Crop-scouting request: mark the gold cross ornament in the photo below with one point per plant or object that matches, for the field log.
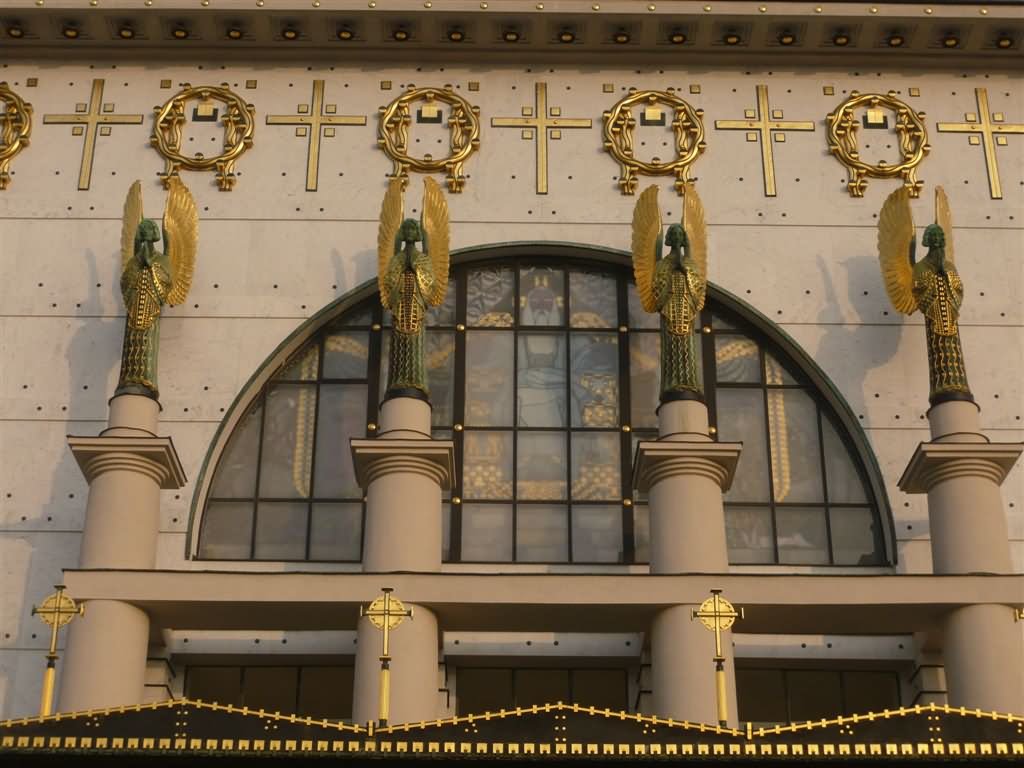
(89, 118)
(540, 123)
(764, 125)
(385, 613)
(718, 615)
(988, 129)
(56, 611)
(314, 120)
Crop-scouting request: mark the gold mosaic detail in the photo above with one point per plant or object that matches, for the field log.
(841, 135)
(239, 120)
(15, 130)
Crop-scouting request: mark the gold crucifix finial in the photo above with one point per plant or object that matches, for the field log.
(717, 614)
(385, 613)
(56, 610)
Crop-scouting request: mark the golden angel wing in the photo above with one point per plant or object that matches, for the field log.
(944, 218)
(895, 240)
(181, 238)
(646, 234)
(436, 237)
(130, 222)
(695, 228)
(391, 212)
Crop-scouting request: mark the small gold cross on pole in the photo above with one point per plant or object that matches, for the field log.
(315, 118)
(89, 118)
(541, 122)
(56, 610)
(764, 124)
(717, 614)
(385, 613)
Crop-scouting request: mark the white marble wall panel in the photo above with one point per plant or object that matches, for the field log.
(31, 563)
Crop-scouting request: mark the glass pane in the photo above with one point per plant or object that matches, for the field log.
(603, 688)
(342, 417)
(540, 465)
(844, 483)
(489, 297)
(488, 379)
(741, 419)
(596, 466)
(345, 355)
(487, 465)
(443, 313)
(446, 532)
(856, 539)
(737, 359)
(802, 536)
(761, 696)
(641, 533)
(440, 354)
(865, 691)
(775, 373)
(326, 693)
(222, 685)
(236, 470)
(597, 534)
(796, 457)
(287, 441)
(362, 316)
(303, 366)
(227, 531)
(637, 317)
(595, 379)
(749, 535)
(336, 532)
(483, 690)
(542, 534)
(644, 379)
(719, 323)
(541, 686)
(541, 296)
(281, 531)
(541, 394)
(593, 300)
(813, 695)
(487, 533)
(274, 689)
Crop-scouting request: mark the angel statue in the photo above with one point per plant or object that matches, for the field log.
(674, 286)
(410, 281)
(150, 279)
(930, 285)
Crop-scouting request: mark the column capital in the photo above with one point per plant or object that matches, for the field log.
(152, 456)
(383, 456)
(657, 460)
(933, 463)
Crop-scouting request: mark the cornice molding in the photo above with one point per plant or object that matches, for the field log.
(373, 459)
(658, 460)
(151, 456)
(933, 463)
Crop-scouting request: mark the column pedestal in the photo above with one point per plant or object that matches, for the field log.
(961, 471)
(126, 466)
(684, 473)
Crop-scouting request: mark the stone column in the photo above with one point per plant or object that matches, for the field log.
(684, 473)
(961, 472)
(126, 466)
(404, 472)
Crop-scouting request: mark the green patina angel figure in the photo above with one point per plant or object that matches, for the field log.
(673, 286)
(410, 281)
(150, 279)
(931, 286)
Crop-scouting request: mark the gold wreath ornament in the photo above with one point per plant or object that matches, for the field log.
(15, 130)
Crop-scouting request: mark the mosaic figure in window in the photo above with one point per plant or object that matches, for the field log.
(150, 279)
(674, 286)
(931, 286)
(410, 281)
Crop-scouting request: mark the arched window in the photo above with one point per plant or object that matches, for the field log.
(544, 370)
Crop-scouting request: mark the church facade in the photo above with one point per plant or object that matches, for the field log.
(792, 495)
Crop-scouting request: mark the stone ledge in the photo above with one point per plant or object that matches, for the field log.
(657, 459)
(933, 463)
(154, 456)
(375, 458)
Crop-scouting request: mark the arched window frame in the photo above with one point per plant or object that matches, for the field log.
(569, 254)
